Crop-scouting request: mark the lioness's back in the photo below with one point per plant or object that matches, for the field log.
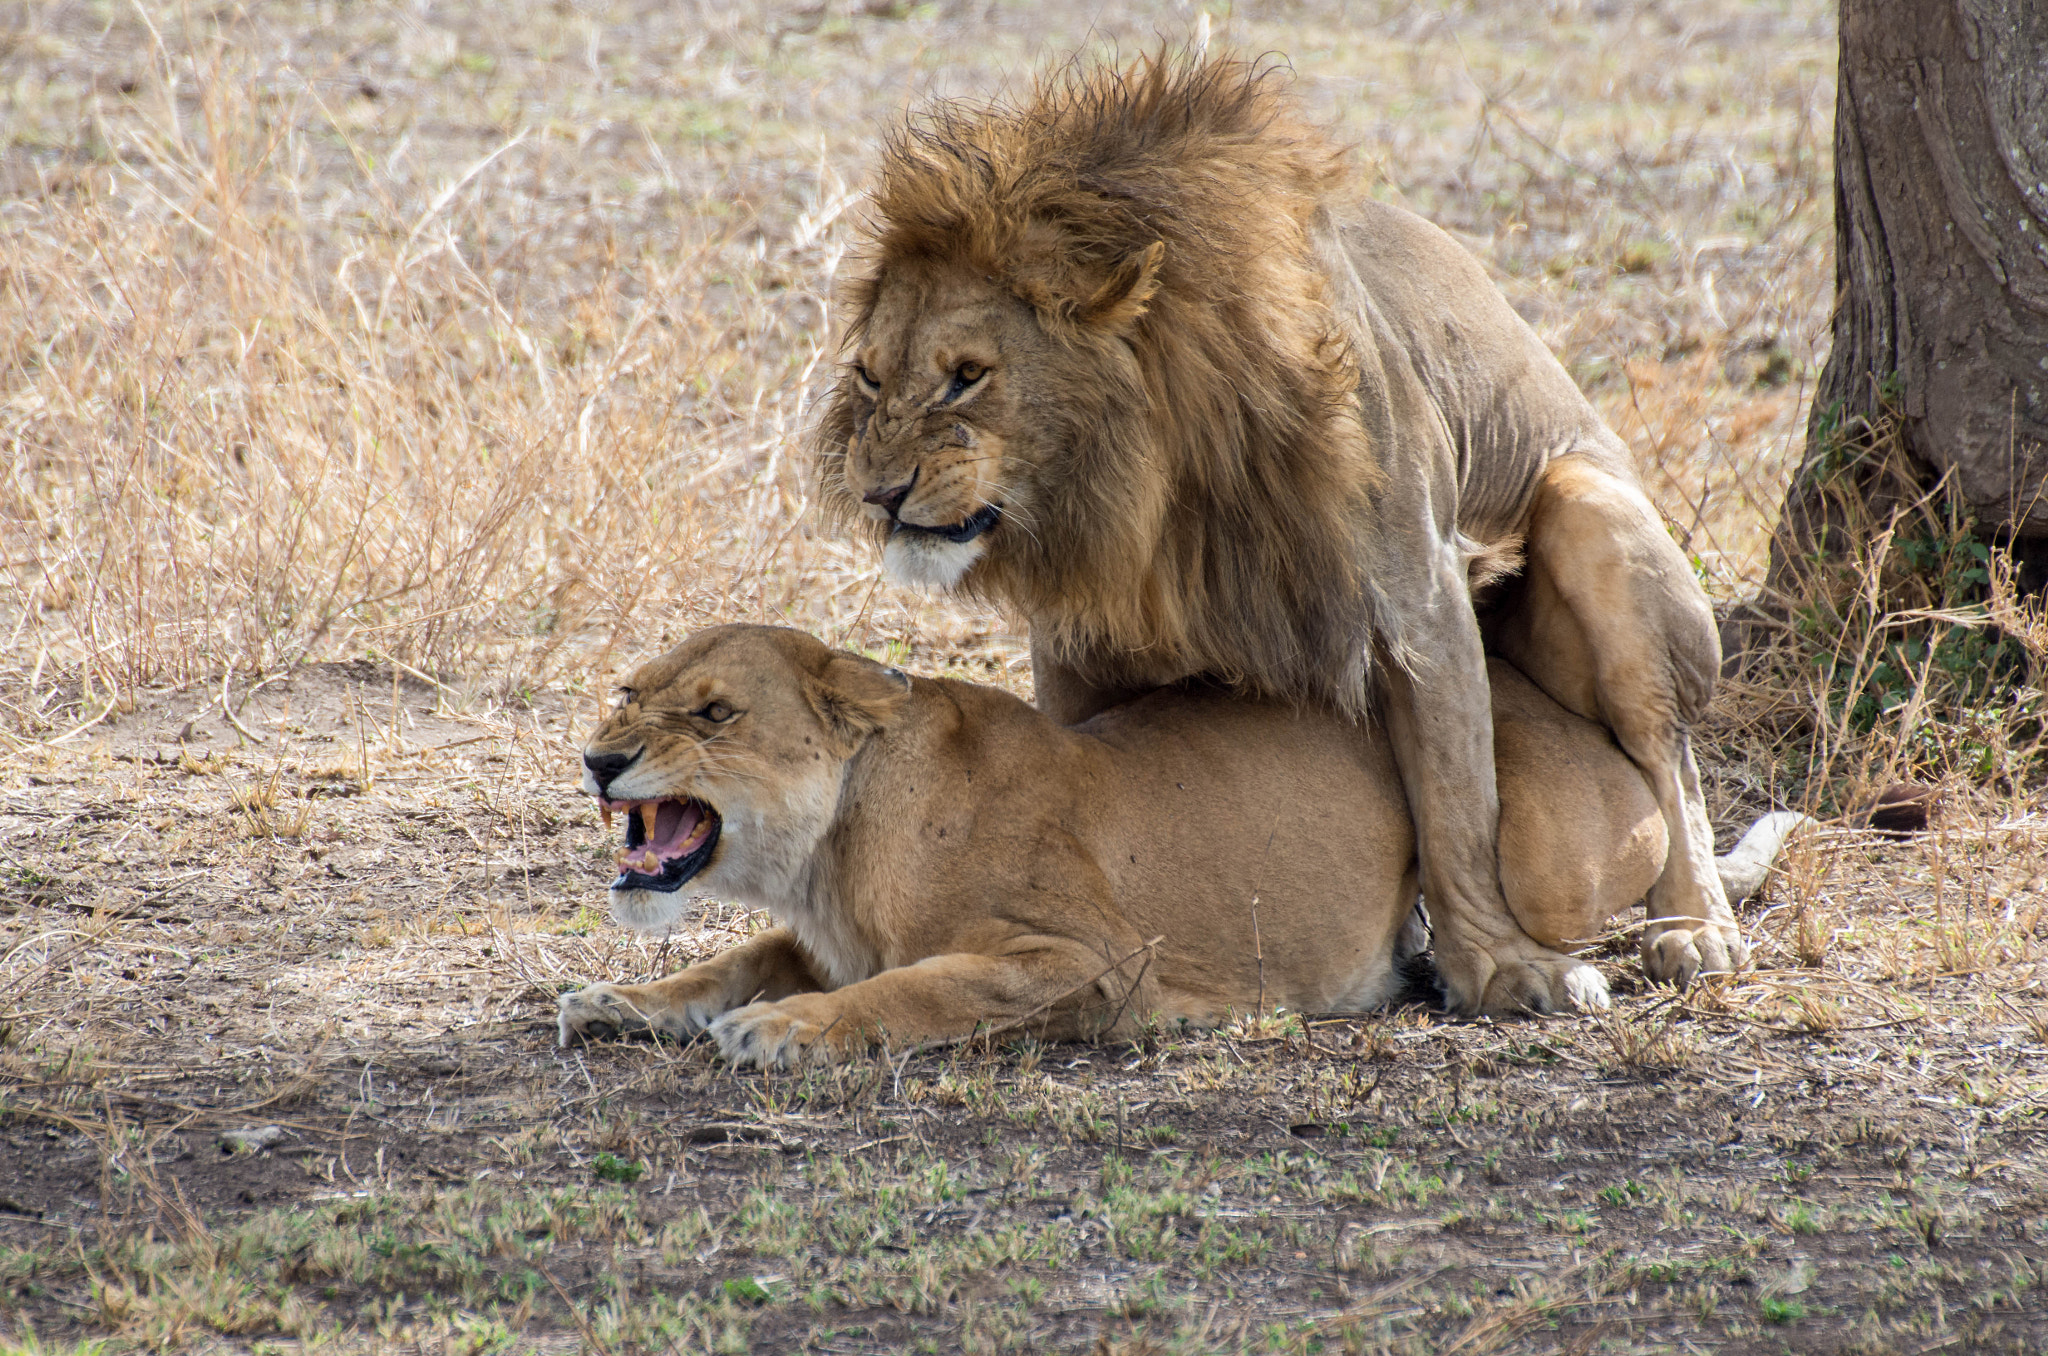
(1249, 831)
(1235, 800)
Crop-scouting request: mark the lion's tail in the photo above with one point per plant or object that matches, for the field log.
(1745, 865)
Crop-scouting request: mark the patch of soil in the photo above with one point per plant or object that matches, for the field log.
(354, 932)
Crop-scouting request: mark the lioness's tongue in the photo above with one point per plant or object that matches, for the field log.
(673, 823)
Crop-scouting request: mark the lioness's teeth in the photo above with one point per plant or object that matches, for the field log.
(649, 812)
(645, 861)
(606, 811)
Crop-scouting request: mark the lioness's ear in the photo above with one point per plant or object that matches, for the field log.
(1119, 302)
(854, 697)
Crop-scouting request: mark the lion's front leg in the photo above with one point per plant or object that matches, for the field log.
(1059, 690)
(770, 966)
(1439, 715)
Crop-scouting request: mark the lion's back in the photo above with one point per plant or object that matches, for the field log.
(1429, 309)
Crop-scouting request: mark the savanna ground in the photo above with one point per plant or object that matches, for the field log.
(378, 381)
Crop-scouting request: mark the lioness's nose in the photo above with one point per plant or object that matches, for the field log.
(605, 766)
(891, 499)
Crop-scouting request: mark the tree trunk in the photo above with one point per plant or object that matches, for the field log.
(1941, 306)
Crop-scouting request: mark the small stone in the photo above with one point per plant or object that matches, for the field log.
(251, 1139)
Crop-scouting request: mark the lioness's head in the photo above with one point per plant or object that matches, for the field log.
(725, 756)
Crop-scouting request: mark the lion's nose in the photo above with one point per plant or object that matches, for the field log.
(891, 499)
(605, 766)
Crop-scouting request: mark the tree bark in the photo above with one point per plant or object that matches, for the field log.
(1941, 308)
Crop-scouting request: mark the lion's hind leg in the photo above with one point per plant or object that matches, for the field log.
(1610, 622)
(1440, 729)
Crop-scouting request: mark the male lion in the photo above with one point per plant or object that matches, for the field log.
(943, 858)
(1133, 359)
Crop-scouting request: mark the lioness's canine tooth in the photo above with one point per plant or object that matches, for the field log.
(649, 811)
(606, 811)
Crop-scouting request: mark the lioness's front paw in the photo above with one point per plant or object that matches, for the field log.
(593, 1011)
(1680, 950)
(610, 1009)
(771, 1035)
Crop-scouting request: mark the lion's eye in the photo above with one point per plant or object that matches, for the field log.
(626, 697)
(866, 380)
(969, 373)
(718, 713)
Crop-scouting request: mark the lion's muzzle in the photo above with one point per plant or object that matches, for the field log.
(962, 532)
(938, 557)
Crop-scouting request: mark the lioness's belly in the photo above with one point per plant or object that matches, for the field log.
(1270, 848)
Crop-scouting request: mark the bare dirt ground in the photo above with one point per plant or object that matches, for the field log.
(353, 932)
(379, 381)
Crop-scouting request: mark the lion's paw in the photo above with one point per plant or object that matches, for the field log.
(1543, 982)
(1679, 950)
(771, 1035)
(611, 1009)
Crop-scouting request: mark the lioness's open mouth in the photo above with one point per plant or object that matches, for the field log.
(959, 533)
(667, 842)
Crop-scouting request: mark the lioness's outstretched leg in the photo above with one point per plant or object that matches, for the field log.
(1049, 986)
(1611, 624)
(768, 966)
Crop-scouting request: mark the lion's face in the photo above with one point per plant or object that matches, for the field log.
(955, 418)
(1103, 368)
(725, 756)
(935, 393)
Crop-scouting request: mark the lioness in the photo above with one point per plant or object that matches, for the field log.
(1136, 359)
(943, 857)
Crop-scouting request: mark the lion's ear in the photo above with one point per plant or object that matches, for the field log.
(854, 697)
(1119, 302)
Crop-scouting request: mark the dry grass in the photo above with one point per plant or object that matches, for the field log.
(378, 383)
(480, 345)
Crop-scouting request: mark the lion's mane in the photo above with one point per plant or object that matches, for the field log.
(1206, 520)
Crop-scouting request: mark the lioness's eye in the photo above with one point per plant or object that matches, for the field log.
(865, 380)
(717, 713)
(969, 373)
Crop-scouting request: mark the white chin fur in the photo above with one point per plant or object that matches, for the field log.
(648, 911)
(928, 562)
